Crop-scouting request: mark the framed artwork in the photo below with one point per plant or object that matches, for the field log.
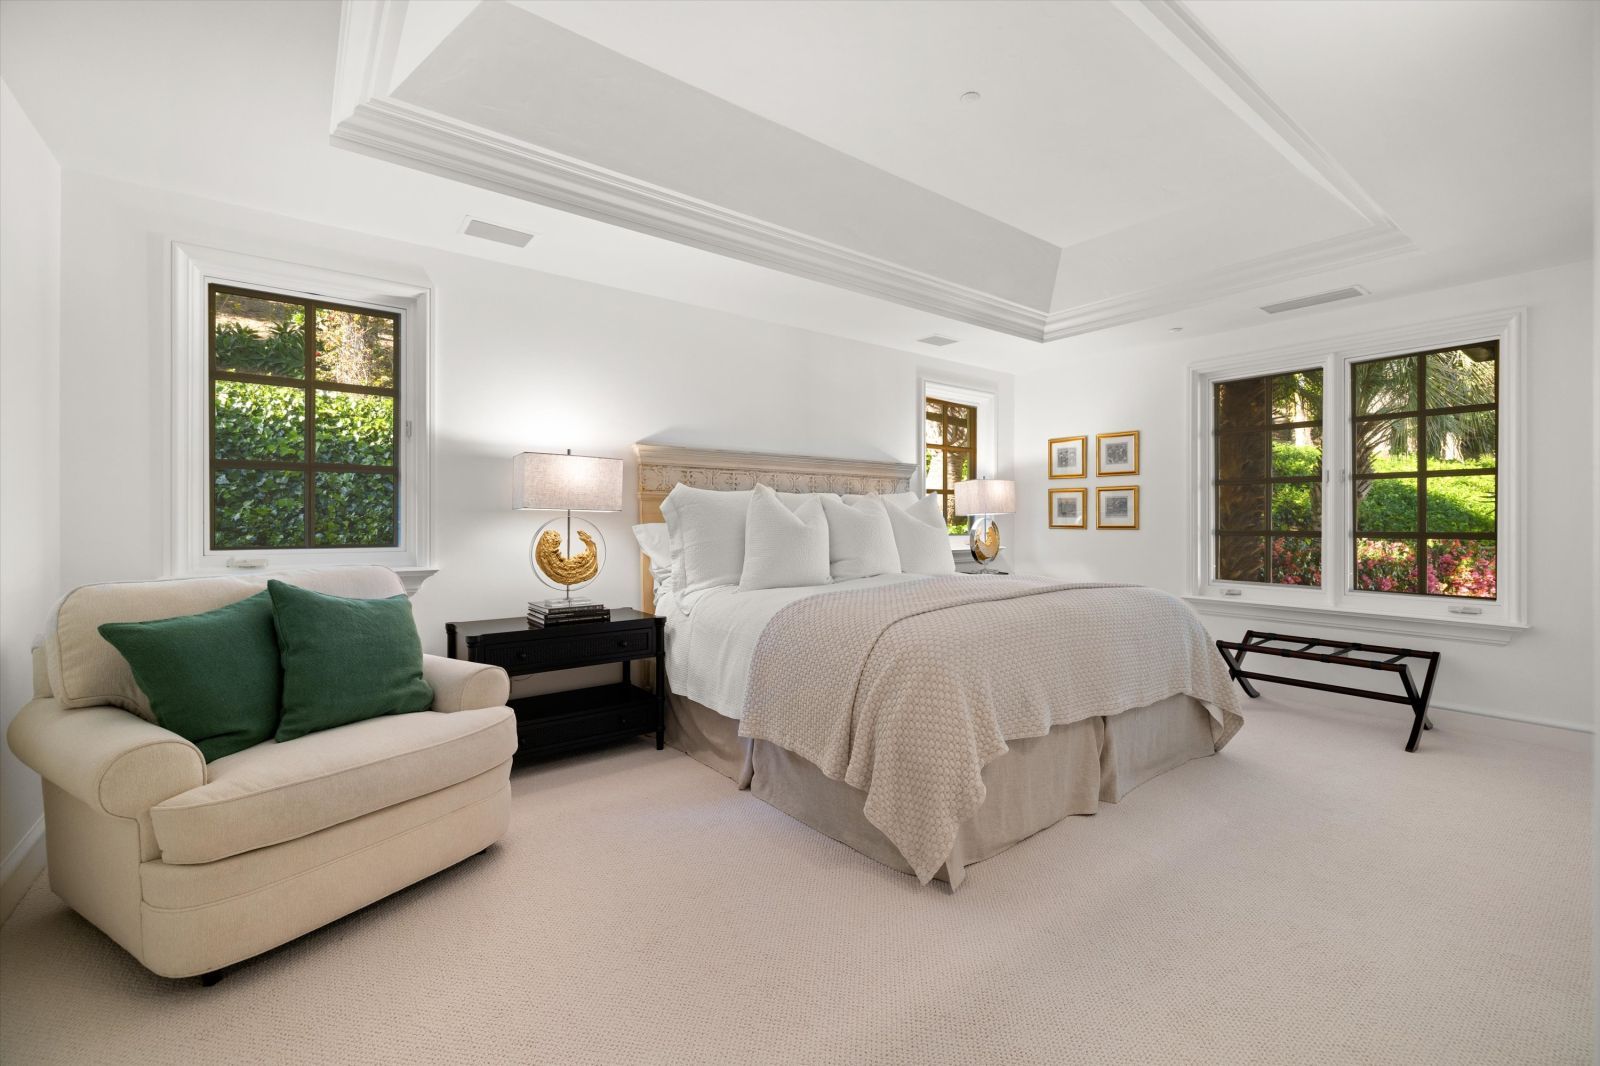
(1067, 458)
(1116, 453)
(1116, 507)
(1069, 508)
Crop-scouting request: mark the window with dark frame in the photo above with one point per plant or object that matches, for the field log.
(1267, 439)
(950, 454)
(304, 423)
(1424, 441)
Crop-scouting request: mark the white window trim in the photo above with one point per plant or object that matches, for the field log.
(1335, 603)
(194, 269)
(987, 404)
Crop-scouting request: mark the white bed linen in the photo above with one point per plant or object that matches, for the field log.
(712, 634)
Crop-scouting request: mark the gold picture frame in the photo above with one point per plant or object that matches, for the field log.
(1125, 463)
(1128, 515)
(1058, 518)
(1054, 456)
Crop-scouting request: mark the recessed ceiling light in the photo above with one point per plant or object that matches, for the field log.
(1175, 329)
(971, 97)
(936, 340)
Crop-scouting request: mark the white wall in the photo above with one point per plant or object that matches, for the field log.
(525, 362)
(30, 510)
(1544, 674)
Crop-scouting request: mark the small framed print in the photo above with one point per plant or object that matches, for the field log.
(1069, 508)
(1067, 458)
(1116, 453)
(1116, 507)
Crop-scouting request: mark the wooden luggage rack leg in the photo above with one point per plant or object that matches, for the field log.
(1337, 654)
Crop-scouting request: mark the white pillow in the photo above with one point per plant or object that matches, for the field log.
(783, 548)
(657, 547)
(922, 538)
(706, 532)
(860, 539)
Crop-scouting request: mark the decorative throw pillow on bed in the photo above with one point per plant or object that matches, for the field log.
(345, 660)
(921, 537)
(783, 548)
(212, 678)
(860, 539)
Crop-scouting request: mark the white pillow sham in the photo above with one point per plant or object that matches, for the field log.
(860, 538)
(784, 547)
(922, 538)
(656, 544)
(706, 531)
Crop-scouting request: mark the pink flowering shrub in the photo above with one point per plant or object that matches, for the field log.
(1297, 561)
(1455, 567)
(1386, 565)
(1462, 568)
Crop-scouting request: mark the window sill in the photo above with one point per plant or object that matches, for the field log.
(1472, 632)
(411, 577)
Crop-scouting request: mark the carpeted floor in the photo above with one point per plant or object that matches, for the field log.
(1312, 895)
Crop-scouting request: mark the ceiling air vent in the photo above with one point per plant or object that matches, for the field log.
(477, 227)
(936, 340)
(1311, 301)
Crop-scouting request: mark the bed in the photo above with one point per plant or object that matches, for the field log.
(929, 722)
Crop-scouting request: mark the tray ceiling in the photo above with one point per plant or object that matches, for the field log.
(1118, 166)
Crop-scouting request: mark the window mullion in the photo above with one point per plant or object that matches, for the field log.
(311, 424)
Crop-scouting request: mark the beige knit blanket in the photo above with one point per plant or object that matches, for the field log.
(906, 691)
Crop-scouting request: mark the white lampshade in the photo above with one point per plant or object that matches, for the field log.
(986, 496)
(548, 481)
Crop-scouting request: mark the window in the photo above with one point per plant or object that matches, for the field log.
(1372, 477)
(300, 417)
(950, 453)
(1424, 439)
(1268, 482)
(305, 438)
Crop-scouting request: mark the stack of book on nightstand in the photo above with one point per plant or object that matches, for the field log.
(543, 613)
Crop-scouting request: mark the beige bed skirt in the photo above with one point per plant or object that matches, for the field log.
(1036, 783)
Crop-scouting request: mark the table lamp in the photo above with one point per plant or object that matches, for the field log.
(548, 481)
(980, 500)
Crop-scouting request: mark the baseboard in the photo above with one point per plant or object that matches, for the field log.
(1525, 719)
(21, 867)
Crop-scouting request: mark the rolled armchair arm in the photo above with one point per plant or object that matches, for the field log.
(112, 760)
(459, 685)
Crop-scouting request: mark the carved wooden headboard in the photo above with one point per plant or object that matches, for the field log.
(664, 466)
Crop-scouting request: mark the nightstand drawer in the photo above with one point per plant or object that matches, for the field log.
(567, 730)
(578, 650)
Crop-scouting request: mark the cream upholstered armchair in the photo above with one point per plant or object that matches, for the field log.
(192, 866)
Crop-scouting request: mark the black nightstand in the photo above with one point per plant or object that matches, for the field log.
(559, 722)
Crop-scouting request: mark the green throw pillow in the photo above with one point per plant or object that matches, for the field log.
(211, 678)
(345, 660)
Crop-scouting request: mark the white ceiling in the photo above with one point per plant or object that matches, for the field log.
(1483, 161)
(1058, 146)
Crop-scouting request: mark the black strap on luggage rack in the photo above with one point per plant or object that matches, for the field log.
(1337, 654)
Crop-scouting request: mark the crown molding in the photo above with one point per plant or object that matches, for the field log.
(418, 137)
(369, 120)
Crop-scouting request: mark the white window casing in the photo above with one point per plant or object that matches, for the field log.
(1337, 602)
(194, 270)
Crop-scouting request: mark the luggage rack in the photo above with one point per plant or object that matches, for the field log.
(1337, 654)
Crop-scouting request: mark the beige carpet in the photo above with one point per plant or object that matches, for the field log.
(1312, 895)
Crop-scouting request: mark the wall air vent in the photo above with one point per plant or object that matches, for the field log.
(477, 227)
(937, 341)
(1311, 301)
